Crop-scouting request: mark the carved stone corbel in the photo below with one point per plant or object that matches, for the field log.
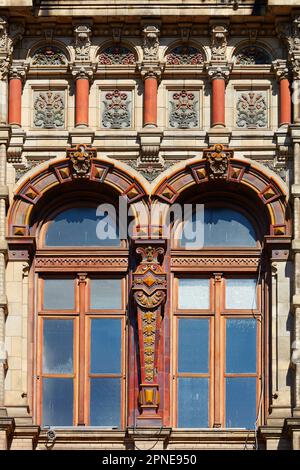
(149, 292)
(219, 33)
(82, 42)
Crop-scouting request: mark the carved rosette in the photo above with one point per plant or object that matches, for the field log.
(149, 291)
(217, 160)
(80, 160)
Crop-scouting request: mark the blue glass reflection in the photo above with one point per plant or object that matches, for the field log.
(192, 402)
(193, 345)
(57, 402)
(105, 406)
(241, 402)
(106, 346)
(225, 227)
(79, 227)
(241, 346)
(57, 346)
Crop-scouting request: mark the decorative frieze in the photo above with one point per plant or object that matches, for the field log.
(117, 55)
(184, 109)
(116, 109)
(48, 56)
(252, 110)
(49, 109)
(184, 55)
(252, 55)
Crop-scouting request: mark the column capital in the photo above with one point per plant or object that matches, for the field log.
(10, 34)
(83, 72)
(19, 70)
(280, 67)
(218, 70)
(151, 69)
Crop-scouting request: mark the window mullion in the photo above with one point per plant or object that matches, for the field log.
(81, 371)
(217, 419)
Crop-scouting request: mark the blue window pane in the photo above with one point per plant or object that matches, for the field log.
(59, 294)
(241, 294)
(193, 294)
(241, 402)
(106, 346)
(225, 227)
(193, 345)
(105, 404)
(57, 346)
(81, 226)
(192, 402)
(106, 294)
(57, 402)
(241, 346)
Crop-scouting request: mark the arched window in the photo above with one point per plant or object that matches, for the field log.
(252, 55)
(49, 55)
(81, 305)
(218, 318)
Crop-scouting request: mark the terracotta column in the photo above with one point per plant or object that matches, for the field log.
(15, 100)
(218, 102)
(285, 106)
(218, 73)
(150, 100)
(82, 89)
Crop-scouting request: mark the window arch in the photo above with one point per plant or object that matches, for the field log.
(117, 54)
(252, 55)
(49, 55)
(184, 54)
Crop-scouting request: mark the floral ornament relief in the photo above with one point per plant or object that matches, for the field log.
(184, 55)
(252, 55)
(116, 112)
(49, 109)
(117, 55)
(183, 110)
(251, 110)
(49, 55)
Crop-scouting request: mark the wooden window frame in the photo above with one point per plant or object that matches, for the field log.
(218, 315)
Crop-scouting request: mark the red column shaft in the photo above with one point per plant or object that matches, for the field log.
(218, 102)
(82, 102)
(150, 101)
(14, 101)
(285, 112)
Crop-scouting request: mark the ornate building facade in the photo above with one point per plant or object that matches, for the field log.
(144, 341)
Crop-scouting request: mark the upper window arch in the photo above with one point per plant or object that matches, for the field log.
(117, 54)
(252, 55)
(82, 225)
(49, 55)
(216, 226)
(184, 54)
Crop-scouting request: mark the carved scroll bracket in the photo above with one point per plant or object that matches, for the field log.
(149, 291)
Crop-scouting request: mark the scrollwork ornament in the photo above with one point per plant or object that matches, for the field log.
(151, 42)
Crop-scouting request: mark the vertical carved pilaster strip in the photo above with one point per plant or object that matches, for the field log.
(2, 272)
(149, 288)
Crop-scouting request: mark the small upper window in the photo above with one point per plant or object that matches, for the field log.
(82, 226)
(217, 227)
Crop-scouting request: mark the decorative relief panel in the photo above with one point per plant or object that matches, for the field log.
(184, 109)
(49, 55)
(49, 109)
(252, 55)
(184, 55)
(116, 109)
(252, 110)
(117, 55)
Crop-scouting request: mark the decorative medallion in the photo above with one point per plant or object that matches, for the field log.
(80, 160)
(183, 112)
(117, 55)
(184, 55)
(252, 55)
(116, 112)
(252, 110)
(217, 159)
(49, 109)
(49, 55)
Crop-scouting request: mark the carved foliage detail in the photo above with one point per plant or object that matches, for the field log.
(151, 42)
(116, 111)
(80, 160)
(252, 110)
(49, 55)
(217, 159)
(252, 55)
(183, 111)
(117, 55)
(49, 109)
(184, 55)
